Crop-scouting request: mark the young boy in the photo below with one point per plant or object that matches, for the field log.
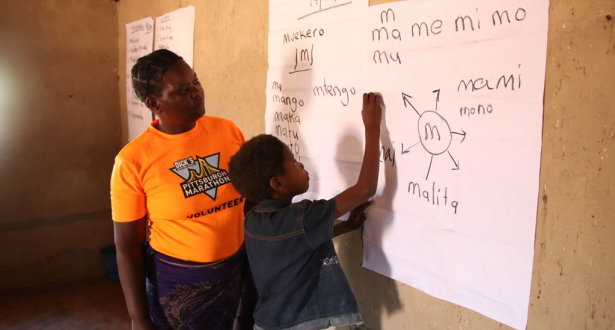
(290, 249)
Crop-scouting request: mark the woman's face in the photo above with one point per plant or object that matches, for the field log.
(182, 99)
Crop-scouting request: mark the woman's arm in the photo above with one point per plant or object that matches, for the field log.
(129, 241)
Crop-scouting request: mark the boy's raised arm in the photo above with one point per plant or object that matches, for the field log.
(368, 177)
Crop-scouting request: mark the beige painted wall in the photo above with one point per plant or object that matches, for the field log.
(59, 132)
(60, 129)
(573, 283)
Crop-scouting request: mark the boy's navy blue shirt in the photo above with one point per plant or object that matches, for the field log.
(296, 270)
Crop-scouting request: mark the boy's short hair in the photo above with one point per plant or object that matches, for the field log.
(252, 167)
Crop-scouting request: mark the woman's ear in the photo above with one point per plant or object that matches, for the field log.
(275, 184)
(152, 104)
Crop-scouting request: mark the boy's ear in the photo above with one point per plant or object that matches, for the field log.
(275, 184)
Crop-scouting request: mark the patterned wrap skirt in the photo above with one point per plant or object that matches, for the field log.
(190, 296)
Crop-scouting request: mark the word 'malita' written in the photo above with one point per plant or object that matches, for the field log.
(433, 196)
(335, 91)
(303, 34)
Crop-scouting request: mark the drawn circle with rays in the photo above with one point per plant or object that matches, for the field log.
(434, 132)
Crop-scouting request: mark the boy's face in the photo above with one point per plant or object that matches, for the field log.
(295, 180)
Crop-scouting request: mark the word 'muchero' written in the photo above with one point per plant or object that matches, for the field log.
(330, 90)
(303, 34)
(433, 196)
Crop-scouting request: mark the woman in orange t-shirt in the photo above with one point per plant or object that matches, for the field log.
(191, 271)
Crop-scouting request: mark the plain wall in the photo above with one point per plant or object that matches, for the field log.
(573, 286)
(60, 129)
(59, 133)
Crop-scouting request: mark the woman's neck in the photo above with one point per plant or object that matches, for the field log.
(173, 129)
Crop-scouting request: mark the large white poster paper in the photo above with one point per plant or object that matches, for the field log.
(139, 42)
(314, 87)
(175, 32)
(463, 84)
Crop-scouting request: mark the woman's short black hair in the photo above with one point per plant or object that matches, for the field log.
(147, 73)
(257, 161)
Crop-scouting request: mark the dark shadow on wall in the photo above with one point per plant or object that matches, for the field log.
(374, 292)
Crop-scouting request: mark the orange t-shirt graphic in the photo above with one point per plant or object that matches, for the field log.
(181, 182)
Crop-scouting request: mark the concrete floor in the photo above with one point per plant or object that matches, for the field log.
(94, 304)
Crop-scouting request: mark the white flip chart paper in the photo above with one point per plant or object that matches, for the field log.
(139, 42)
(463, 82)
(315, 86)
(463, 85)
(175, 32)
